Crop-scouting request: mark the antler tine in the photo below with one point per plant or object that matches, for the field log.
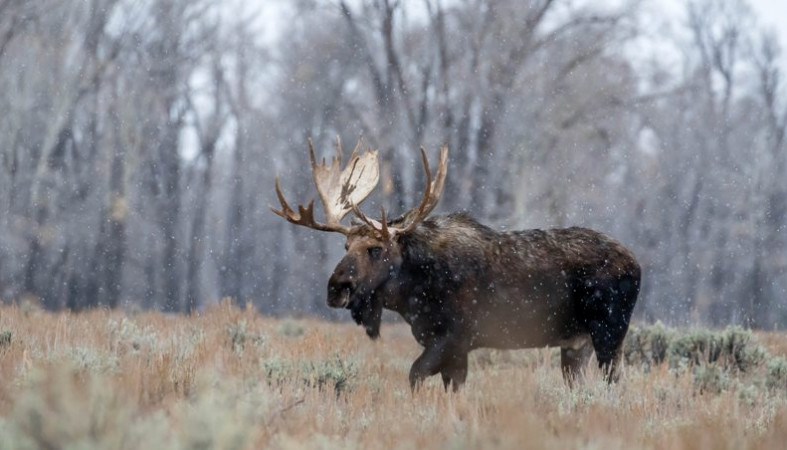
(381, 226)
(312, 158)
(304, 216)
(339, 148)
(428, 190)
(432, 192)
(365, 219)
(358, 147)
(311, 154)
(384, 223)
(286, 211)
(442, 172)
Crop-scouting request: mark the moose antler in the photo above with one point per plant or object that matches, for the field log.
(432, 194)
(409, 220)
(340, 190)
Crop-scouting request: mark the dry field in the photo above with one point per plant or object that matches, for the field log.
(230, 378)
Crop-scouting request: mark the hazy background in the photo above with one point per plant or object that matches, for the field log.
(139, 141)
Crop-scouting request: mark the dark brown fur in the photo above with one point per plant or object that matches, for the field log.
(461, 285)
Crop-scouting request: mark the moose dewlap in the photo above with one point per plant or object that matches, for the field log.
(462, 285)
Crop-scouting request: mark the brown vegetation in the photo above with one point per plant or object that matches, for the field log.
(230, 378)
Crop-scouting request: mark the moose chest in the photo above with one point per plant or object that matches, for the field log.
(429, 320)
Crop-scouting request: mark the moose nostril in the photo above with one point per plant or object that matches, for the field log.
(336, 288)
(339, 293)
(342, 274)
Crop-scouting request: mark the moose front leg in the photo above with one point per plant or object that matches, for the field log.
(443, 356)
(455, 370)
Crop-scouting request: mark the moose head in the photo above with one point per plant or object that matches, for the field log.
(362, 281)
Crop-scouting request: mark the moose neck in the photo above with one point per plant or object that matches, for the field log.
(395, 292)
(423, 277)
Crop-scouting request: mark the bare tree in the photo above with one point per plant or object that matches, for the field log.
(209, 129)
(768, 212)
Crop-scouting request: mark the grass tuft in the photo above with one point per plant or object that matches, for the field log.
(5, 339)
(334, 373)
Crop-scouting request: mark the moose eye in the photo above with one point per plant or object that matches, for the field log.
(374, 252)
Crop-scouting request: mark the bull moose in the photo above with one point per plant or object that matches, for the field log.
(461, 285)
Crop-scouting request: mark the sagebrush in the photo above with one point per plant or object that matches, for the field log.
(230, 378)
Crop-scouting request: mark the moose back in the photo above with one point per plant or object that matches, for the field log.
(462, 285)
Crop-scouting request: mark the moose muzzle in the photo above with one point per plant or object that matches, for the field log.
(339, 293)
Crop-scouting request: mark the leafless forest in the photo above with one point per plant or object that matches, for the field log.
(139, 141)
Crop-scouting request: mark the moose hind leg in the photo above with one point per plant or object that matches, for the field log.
(573, 360)
(608, 344)
(610, 323)
(454, 371)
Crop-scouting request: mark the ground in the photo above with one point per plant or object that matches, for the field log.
(231, 378)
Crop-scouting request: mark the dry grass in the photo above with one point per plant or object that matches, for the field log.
(232, 379)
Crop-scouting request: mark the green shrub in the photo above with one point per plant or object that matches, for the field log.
(648, 346)
(5, 339)
(777, 373)
(718, 360)
(733, 348)
(290, 327)
(333, 372)
(711, 378)
(126, 333)
(238, 335)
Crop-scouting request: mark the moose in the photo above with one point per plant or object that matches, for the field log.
(461, 285)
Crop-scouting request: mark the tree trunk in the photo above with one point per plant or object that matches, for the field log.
(196, 250)
(115, 248)
(169, 219)
(231, 272)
